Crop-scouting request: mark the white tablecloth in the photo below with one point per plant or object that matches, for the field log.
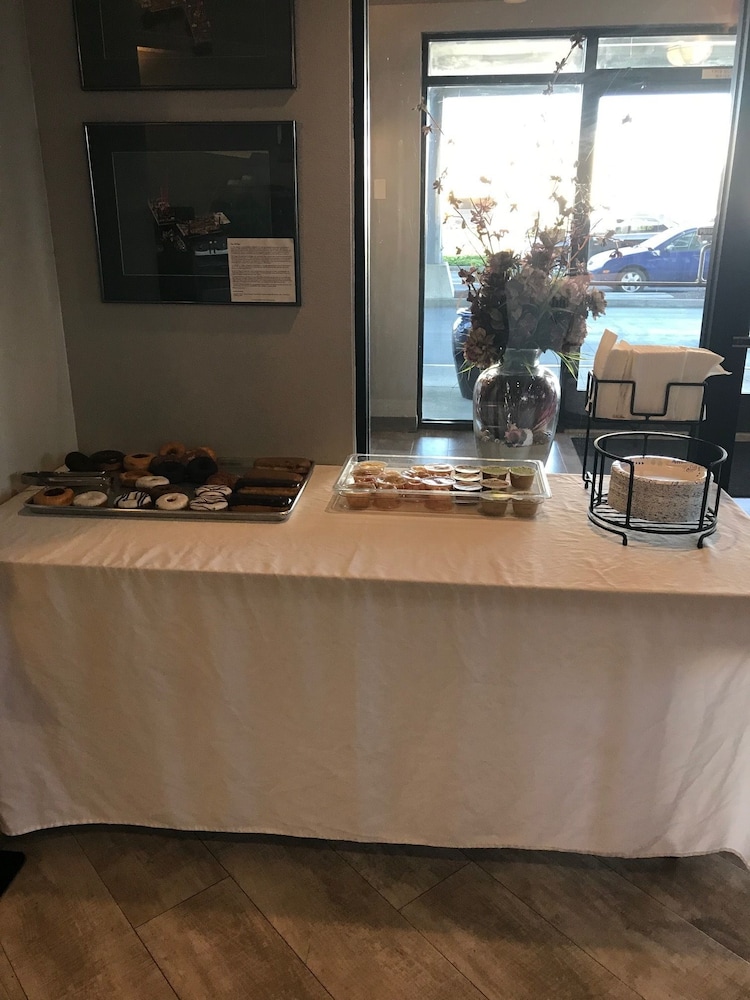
(380, 676)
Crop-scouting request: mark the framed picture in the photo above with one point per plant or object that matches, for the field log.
(201, 212)
(185, 44)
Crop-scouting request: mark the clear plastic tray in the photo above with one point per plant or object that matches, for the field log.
(439, 485)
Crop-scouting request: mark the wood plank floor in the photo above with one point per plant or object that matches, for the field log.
(150, 915)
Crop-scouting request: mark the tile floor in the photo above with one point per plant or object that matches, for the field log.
(150, 915)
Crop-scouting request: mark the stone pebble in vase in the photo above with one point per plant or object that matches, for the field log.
(516, 404)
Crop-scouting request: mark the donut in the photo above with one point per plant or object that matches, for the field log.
(300, 465)
(54, 496)
(202, 453)
(200, 468)
(270, 477)
(130, 478)
(170, 468)
(222, 479)
(150, 482)
(172, 501)
(219, 488)
(132, 500)
(91, 498)
(159, 491)
(76, 461)
(140, 460)
(173, 449)
(242, 502)
(209, 501)
(107, 461)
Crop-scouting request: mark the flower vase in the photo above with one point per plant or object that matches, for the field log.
(516, 404)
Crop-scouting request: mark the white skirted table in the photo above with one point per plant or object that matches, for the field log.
(387, 677)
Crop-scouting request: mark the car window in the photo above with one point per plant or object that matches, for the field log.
(685, 241)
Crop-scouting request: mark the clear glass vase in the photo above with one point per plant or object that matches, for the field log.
(516, 404)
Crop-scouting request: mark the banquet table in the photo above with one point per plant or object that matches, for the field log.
(380, 676)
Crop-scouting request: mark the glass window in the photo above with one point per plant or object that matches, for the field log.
(665, 51)
(502, 56)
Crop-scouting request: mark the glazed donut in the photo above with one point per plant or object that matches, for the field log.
(107, 461)
(132, 500)
(172, 501)
(209, 501)
(140, 460)
(219, 488)
(151, 482)
(91, 498)
(76, 461)
(200, 468)
(173, 449)
(130, 478)
(170, 468)
(54, 496)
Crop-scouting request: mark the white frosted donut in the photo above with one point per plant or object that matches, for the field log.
(172, 501)
(209, 501)
(133, 500)
(219, 489)
(92, 498)
(149, 482)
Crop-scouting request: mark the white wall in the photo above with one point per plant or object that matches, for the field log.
(36, 413)
(395, 80)
(245, 380)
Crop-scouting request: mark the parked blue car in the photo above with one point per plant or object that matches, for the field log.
(675, 257)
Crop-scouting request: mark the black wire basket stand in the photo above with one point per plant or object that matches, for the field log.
(636, 419)
(611, 447)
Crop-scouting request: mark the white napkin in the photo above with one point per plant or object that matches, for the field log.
(652, 367)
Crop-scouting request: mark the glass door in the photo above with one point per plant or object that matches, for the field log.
(657, 171)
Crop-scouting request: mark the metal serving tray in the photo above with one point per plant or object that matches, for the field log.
(461, 505)
(81, 483)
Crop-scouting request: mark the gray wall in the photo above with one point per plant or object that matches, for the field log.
(245, 380)
(395, 80)
(36, 413)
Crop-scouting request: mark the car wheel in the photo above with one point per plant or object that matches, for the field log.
(632, 279)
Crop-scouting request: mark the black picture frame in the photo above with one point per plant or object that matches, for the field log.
(195, 212)
(185, 44)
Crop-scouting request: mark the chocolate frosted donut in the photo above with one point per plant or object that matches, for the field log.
(132, 500)
(76, 461)
(54, 496)
(170, 468)
(140, 460)
(107, 461)
(200, 468)
(264, 502)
